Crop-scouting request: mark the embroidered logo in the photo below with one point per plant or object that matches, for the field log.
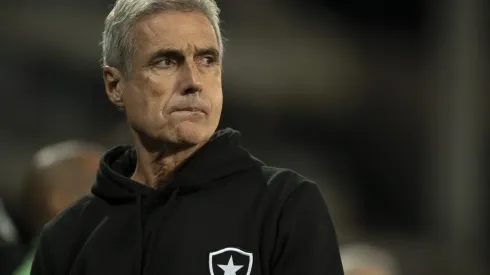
(230, 261)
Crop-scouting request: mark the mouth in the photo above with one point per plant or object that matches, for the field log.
(191, 109)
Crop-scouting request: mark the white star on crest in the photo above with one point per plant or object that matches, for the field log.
(230, 268)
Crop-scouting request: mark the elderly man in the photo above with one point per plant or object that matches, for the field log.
(186, 199)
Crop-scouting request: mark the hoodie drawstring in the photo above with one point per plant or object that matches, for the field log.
(139, 232)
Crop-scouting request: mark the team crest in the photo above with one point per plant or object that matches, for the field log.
(230, 261)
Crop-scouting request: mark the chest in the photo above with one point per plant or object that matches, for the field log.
(222, 238)
(205, 240)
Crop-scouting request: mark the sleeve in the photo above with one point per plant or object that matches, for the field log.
(41, 263)
(306, 241)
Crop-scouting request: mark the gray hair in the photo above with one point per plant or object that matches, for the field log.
(117, 39)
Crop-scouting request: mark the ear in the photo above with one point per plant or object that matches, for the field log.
(114, 85)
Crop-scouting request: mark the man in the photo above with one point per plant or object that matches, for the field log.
(59, 175)
(187, 199)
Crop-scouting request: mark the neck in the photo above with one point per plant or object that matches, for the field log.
(155, 165)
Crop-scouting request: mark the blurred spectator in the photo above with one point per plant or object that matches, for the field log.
(60, 174)
(10, 250)
(363, 259)
(8, 232)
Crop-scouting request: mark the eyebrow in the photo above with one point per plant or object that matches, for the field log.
(207, 51)
(179, 54)
(168, 53)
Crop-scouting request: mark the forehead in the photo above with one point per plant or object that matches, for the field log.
(174, 29)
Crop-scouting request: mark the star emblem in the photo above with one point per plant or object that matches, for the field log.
(230, 268)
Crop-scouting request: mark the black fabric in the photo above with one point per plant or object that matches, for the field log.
(11, 256)
(221, 210)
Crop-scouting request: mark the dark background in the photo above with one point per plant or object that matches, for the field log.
(383, 103)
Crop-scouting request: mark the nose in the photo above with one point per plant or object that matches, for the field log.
(190, 80)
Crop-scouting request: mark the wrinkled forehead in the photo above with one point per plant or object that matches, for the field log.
(183, 30)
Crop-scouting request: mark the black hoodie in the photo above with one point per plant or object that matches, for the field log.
(222, 213)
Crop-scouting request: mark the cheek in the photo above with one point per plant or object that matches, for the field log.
(218, 102)
(136, 108)
(219, 98)
(147, 99)
(158, 92)
(216, 93)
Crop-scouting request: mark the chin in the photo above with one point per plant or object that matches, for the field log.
(190, 133)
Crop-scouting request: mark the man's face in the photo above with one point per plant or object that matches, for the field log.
(173, 92)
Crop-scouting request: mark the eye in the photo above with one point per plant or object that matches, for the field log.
(165, 63)
(207, 60)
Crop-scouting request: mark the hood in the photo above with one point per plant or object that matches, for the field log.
(220, 157)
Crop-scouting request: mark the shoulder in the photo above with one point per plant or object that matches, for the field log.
(284, 186)
(295, 199)
(286, 181)
(64, 230)
(60, 237)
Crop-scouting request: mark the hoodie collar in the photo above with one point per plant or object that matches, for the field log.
(220, 157)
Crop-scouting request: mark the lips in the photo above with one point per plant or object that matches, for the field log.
(191, 108)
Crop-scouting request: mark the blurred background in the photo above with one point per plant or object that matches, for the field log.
(383, 103)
